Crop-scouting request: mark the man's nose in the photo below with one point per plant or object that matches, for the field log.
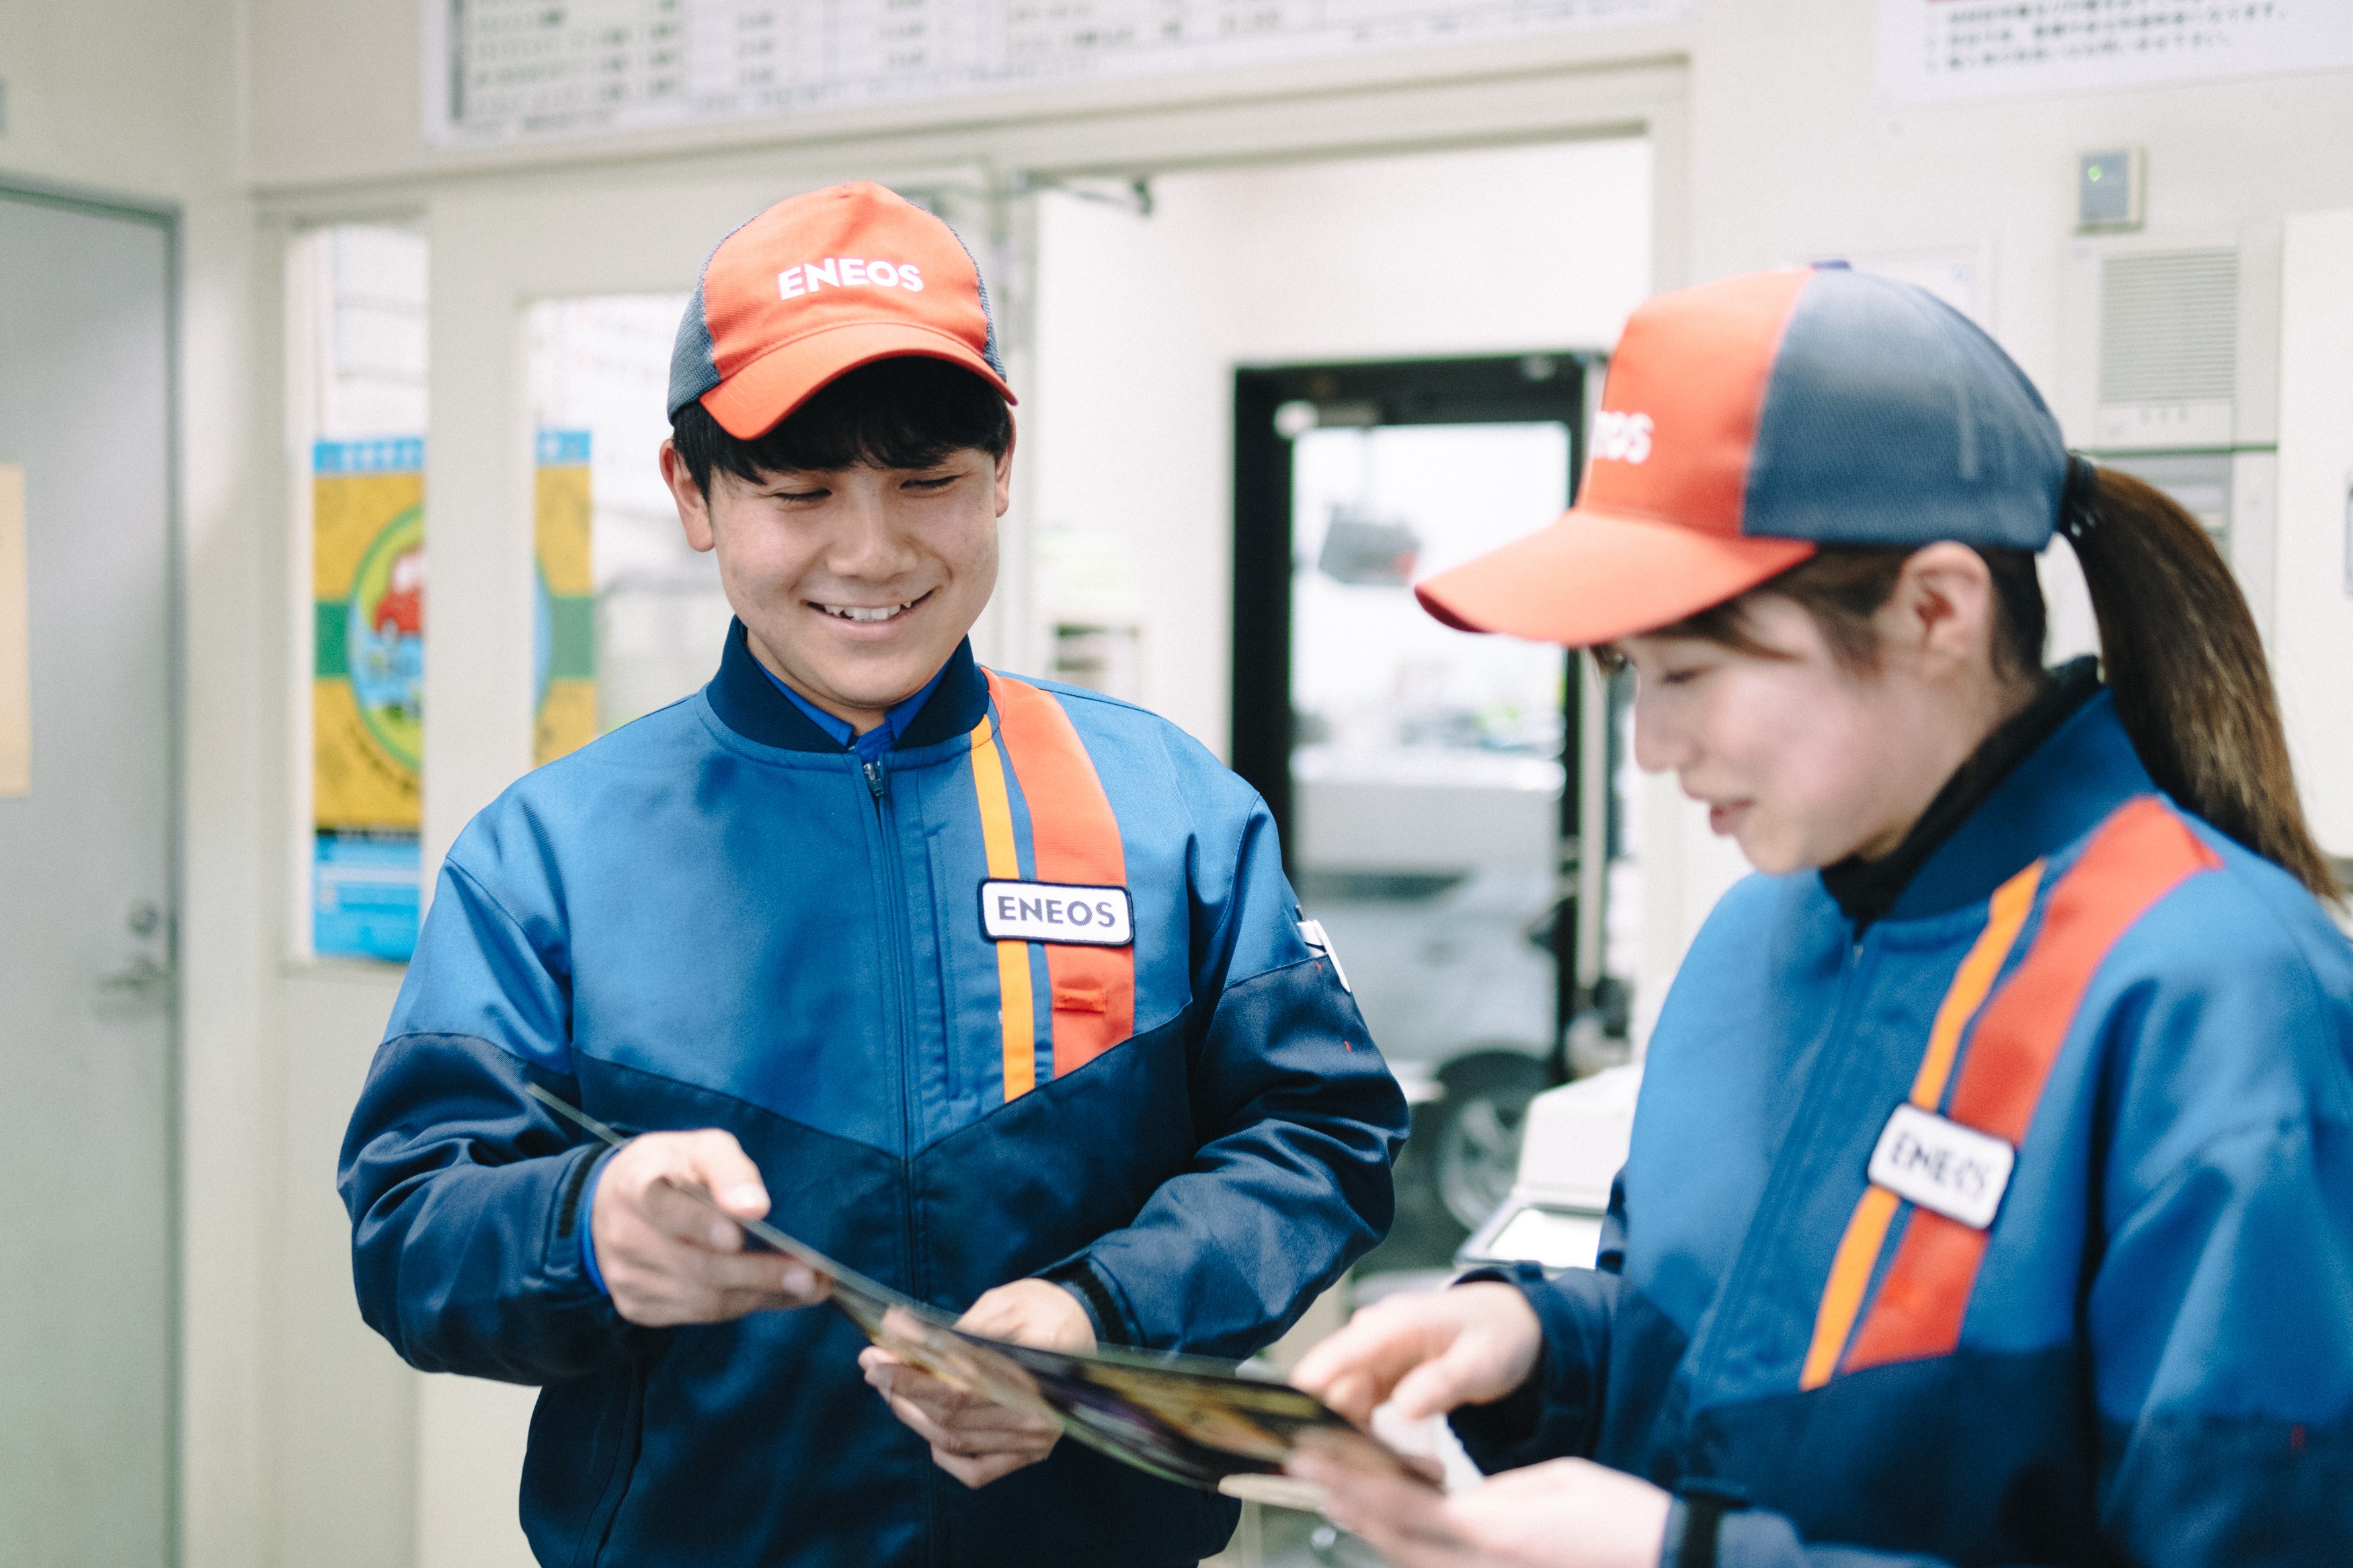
(867, 545)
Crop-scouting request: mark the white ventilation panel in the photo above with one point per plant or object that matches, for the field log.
(2172, 342)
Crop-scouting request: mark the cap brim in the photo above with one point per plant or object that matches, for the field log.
(749, 403)
(1593, 577)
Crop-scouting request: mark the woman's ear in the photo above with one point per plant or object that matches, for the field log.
(1943, 606)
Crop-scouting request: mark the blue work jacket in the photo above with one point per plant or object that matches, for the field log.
(717, 916)
(2147, 1355)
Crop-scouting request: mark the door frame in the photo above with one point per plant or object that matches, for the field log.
(166, 218)
(1466, 390)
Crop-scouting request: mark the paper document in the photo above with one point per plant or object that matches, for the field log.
(1183, 1418)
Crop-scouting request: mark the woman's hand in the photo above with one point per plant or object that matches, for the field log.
(975, 1440)
(1426, 1353)
(1566, 1513)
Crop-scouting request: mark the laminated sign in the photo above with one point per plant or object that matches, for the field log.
(367, 503)
(564, 649)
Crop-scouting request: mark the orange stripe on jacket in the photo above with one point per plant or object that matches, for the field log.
(1073, 838)
(1866, 1231)
(2140, 854)
(1016, 1015)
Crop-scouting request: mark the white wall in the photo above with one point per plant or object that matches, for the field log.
(1140, 322)
(2313, 646)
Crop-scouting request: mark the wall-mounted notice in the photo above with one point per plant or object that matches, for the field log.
(1933, 51)
(564, 649)
(507, 70)
(15, 640)
(368, 689)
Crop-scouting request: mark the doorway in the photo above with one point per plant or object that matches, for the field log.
(1417, 283)
(87, 905)
(1432, 789)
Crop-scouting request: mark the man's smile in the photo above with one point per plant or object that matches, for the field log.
(870, 615)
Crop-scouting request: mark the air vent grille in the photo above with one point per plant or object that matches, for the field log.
(2169, 327)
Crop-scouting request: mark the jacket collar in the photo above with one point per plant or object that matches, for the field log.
(748, 702)
(2054, 796)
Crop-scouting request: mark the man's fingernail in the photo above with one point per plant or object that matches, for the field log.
(798, 1281)
(743, 1195)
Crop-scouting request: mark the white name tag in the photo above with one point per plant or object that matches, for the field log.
(1312, 933)
(1056, 912)
(1943, 1166)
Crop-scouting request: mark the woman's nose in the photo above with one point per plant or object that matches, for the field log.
(1658, 744)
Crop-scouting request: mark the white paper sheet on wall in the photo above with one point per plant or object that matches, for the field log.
(1933, 51)
(511, 70)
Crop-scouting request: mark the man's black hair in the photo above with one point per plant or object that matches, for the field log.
(903, 413)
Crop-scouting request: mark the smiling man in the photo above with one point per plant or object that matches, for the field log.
(814, 934)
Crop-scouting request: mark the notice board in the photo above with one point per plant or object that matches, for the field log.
(510, 71)
(1942, 51)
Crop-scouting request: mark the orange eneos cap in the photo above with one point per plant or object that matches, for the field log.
(1749, 422)
(820, 284)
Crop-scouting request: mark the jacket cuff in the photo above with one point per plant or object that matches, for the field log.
(568, 1262)
(1082, 1279)
(580, 1213)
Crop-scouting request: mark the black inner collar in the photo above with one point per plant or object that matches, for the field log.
(1867, 889)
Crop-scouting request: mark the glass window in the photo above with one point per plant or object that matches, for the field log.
(1427, 780)
(1427, 770)
(633, 618)
(357, 302)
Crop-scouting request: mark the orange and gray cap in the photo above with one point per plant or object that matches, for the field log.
(1748, 422)
(819, 285)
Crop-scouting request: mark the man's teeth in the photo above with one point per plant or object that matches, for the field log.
(860, 613)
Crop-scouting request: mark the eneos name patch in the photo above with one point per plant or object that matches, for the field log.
(1943, 1166)
(1056, 911)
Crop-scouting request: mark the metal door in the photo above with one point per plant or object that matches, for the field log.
(86, 1005)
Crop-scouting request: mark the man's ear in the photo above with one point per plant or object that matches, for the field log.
(693, 506)
(1005, 477)
(1943, 603)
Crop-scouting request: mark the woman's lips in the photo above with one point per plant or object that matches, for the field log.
(1724, 818)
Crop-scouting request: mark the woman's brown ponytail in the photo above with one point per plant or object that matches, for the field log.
(2181, 655)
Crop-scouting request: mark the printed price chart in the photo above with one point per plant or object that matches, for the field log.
(507, 70)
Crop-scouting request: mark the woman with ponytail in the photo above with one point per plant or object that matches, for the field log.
(1990, 1196)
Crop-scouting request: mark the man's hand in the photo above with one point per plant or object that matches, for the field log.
(1567, 1514)
(1429, 1353)
(666, 1259)
(971, 1439)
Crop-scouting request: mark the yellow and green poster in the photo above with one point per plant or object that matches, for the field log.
(367, 692)
(565, 650)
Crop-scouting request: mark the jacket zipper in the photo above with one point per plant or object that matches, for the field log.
(888, 871)
(894, 903)
(1764, 1227)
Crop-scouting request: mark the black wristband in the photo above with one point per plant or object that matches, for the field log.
(1704, 1507)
